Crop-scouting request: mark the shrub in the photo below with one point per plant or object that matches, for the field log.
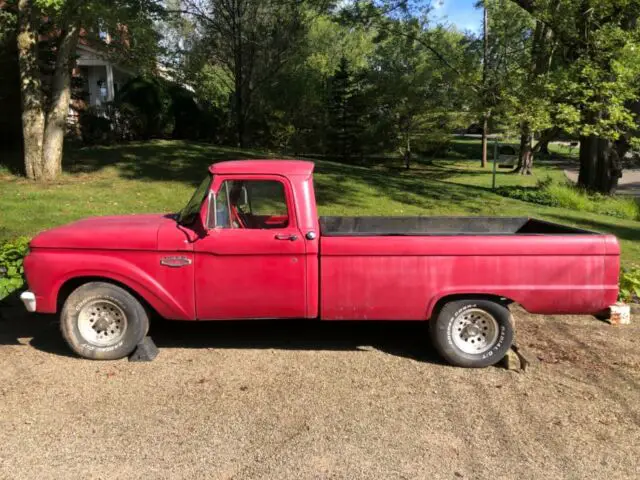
(96, 126)
(148, 100)
(564, 195)
(11, 269)
(188, 116)
(630, 284)
(434, 144)
(126, 122)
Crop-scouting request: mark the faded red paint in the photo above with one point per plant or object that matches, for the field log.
(245, 273)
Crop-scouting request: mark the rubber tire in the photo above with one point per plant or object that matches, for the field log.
(137, 321)
(441, 325)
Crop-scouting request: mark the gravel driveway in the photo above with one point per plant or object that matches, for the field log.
(299, 400)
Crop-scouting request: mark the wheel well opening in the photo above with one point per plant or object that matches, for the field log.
(505, 301)
(72, 284)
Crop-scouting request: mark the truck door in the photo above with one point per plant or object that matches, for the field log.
(251, 263)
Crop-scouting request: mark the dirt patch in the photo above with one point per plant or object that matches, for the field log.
(320, 400)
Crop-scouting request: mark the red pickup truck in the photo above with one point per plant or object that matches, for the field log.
(249, 245)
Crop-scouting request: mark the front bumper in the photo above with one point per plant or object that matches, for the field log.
(29, 300)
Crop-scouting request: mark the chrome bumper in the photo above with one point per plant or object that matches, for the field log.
(29, 300)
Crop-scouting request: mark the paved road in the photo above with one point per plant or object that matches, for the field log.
(302, 400)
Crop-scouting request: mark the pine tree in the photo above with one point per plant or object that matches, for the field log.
(346, 111)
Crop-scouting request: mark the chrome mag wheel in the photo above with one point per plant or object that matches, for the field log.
(474, 331)
(102, 323)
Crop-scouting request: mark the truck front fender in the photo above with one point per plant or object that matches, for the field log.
(49, 270)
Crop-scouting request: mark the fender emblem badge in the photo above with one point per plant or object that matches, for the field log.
(175, 261)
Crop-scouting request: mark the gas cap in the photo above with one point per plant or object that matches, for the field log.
(310, 235)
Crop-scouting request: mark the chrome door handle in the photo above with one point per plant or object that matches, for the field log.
(284, 236)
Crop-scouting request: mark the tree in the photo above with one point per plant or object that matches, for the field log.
(346, 111)
(420, 95)
(297, 108)
(247, 42)
(532, 109)
(596, 79)
(513, 96)
(45, 107)
(504, 54)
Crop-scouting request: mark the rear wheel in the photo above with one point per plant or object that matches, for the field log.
(472, 333)
(103, 321)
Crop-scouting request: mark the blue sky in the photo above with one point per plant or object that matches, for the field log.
(459, 12)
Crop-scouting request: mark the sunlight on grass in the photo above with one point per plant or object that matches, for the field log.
(159, 176)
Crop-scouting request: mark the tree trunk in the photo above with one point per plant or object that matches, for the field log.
(407, 153)
(238, 71)
(239, 106)
(485, 60)
(59, 110)
(30, 89)
(543, 144)
(588, 161)
(543, 148)
(600, 167)
(525, 159)
(485, 131)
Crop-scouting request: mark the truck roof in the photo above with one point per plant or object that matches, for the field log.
(269, 167)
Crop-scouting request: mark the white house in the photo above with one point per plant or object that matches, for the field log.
(100, 80)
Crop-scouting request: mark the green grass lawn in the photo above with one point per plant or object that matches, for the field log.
(159, 176)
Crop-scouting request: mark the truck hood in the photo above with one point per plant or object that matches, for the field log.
(125, 232)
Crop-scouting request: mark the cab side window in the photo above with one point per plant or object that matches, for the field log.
(251, 204)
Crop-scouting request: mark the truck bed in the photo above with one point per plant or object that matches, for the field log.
(426, 226)
(394, 268)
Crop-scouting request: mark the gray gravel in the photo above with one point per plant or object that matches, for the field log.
(307, 400)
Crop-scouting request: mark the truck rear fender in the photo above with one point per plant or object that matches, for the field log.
(436, 303)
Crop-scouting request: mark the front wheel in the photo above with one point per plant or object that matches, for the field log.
(102, 321)
(472, 333)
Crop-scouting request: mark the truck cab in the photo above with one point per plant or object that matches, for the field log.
(261, 230)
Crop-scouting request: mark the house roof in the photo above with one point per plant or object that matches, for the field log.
(269, 167)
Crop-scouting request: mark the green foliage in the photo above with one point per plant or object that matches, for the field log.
(593, 68)
(150, 102)
(213, 85)
(556, 194)
(630, 284)
(11, 269)
(421, 99)
(51, 5)
(8, 20)
(435, 143)
(505, 84)
(144, 109)
(347, 111)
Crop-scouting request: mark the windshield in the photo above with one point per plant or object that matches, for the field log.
(188, 214)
